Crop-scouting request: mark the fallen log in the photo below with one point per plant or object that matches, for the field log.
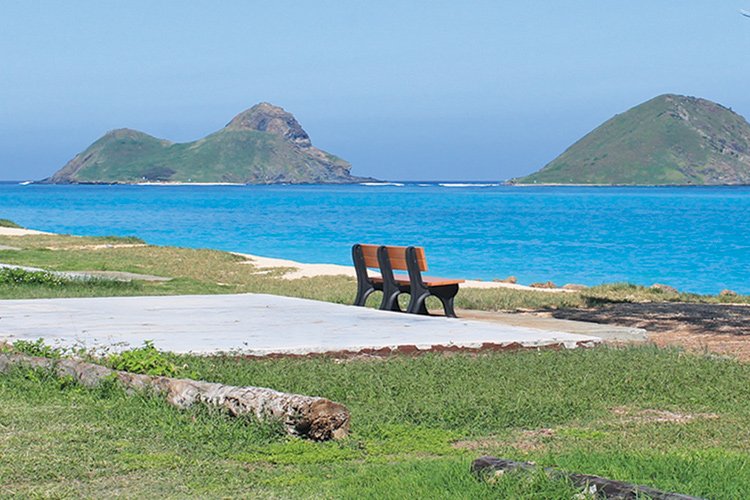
(595, 485)
(310, 417)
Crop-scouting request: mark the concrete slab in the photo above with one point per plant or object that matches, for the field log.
(253, 324)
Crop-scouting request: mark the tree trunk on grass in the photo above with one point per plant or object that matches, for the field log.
(305, 416)
(597, 486)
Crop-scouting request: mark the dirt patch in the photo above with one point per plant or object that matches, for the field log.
(533, 439)
(487, 443)
(528, 440)
(649, 416)
(721, 329)
(730, 346)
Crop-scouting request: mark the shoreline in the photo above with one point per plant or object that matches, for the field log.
(18, 231)
(384, 183)
(303, 270)
(188, 184)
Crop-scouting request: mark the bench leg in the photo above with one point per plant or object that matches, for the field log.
(448, 307)
(446, 294)
(390, 302)
(417, 304)
(362, 294)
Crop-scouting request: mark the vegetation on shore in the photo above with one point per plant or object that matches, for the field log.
(656, 417)
(197, 271)
(9, 223)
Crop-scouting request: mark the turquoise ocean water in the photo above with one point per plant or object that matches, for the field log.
(696, 239)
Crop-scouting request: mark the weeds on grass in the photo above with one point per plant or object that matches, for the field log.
(147, 360)
(17, 276)
(16, 283)
(37, 348)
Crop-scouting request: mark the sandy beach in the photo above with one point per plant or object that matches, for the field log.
(189, 184)
(14, 231)
(302, 270)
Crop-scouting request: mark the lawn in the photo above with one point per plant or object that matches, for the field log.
(655, 417)
(661, 418)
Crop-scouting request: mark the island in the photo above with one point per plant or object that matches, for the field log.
(669, 140)
(262, 145)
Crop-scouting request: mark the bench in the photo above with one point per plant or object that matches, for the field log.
(411, 259)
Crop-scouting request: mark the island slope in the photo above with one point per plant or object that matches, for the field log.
(262, 145)
(669, 140)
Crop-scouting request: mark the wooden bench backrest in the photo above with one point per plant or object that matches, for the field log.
(370, 253)
(397, 256)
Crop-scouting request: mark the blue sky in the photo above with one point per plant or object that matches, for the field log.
(403, 90)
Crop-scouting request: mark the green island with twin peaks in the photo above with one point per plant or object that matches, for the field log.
(262, 145)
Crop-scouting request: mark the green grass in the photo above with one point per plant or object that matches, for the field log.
(417, 423)
(211, 272)
(9, 223)
(19, 283)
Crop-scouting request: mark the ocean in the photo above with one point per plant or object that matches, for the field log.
(696, 239)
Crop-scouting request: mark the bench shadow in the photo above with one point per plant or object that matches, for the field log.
(666, 316)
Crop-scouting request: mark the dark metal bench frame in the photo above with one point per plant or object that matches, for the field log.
(417, 288)
(367, 285)
(391, 288)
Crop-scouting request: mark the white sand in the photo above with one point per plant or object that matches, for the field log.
(13, 231)
(301, 270)
(189, 184)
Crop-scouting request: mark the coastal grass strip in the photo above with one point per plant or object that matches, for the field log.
(201, 271)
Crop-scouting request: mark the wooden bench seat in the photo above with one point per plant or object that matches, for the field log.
(428, 280)
(411, 259)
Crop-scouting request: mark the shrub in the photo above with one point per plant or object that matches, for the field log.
(36, 348)
(146, 359)
(17, 276)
